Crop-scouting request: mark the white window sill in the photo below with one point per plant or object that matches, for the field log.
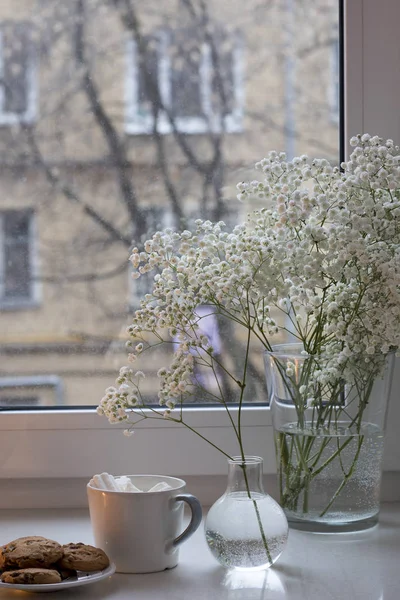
(195, 126)
(312, 566)
(12, 119)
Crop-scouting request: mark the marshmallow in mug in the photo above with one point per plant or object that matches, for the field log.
(105, 481)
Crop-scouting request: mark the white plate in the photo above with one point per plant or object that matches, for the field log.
(81, 578)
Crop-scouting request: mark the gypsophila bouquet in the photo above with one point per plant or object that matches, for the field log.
(321, 248)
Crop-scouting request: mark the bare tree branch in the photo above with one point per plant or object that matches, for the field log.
(117, 150)
(171, 189)
(316, 45)
(214, 170)
(71, 195)
(131, 23)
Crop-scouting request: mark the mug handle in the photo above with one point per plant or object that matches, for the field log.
(195, 520)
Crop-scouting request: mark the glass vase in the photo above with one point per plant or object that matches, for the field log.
(245, 528)
(329, 426)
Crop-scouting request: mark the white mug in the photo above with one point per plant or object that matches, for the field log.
(141, 531)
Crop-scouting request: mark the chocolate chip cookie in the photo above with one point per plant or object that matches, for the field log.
(83, 557)
(31, 576)
(29, 552)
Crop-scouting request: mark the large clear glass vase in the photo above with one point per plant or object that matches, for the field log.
(329, 437)
(245, 528)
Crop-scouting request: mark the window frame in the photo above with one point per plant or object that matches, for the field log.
(137, 124)
(78, 443)
(28, 117)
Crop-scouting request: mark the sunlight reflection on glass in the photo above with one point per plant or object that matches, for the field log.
(254, 585)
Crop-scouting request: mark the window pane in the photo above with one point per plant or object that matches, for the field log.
(224, 50)
(17, 278)
(16, 227)
(16, 251)
(146, 115)
(147, 74)
(16, 49)
(186, 58)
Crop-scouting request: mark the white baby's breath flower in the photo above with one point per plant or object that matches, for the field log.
(318, 253)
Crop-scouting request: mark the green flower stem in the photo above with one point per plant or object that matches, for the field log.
(239, 428)
(346, 477)
(201, 436)
(282, 451)
(332, 457)
(303, 483)
(238, 432)
(299, 466)
(263, 536)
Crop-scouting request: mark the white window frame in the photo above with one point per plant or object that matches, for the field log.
(35, 287)
(76, 444)
(29, 116)
(143, 124)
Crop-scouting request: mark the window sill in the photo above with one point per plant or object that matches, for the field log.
(185, 126)
(14, 305)
(310, 567)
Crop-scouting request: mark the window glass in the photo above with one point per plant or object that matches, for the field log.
(17, 251)
(120, 118)
(186, 70)
(17, 70)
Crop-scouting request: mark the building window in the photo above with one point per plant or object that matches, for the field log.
(19, 401)
(31, 391)
(17, 261)
(17, 74)
(186, 81)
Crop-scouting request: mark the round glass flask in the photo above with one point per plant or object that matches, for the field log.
(245, 528)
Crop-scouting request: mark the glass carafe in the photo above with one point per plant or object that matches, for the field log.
(246, 528)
